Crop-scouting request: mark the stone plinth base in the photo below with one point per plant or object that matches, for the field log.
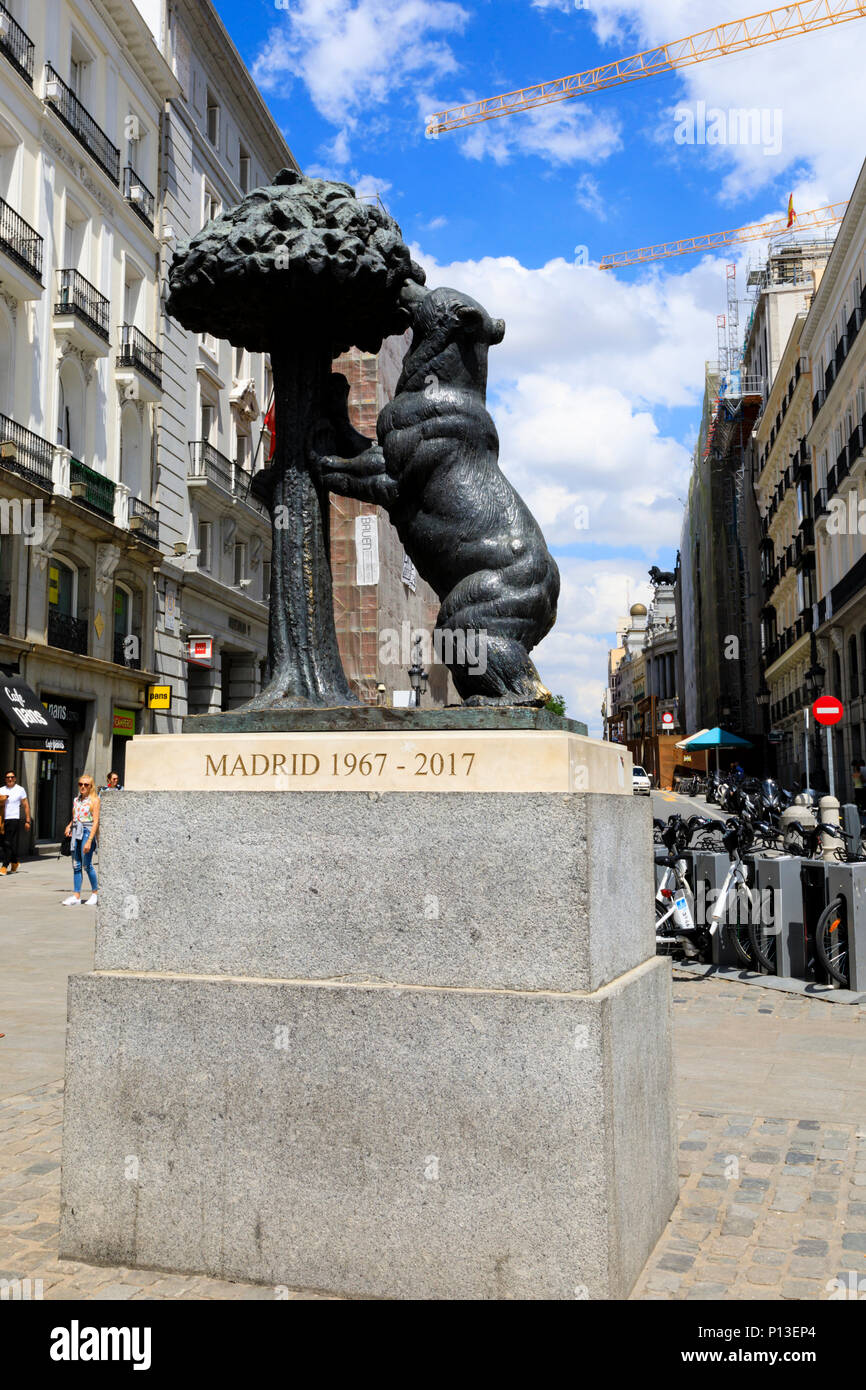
(373, 1041)
(371, 1140)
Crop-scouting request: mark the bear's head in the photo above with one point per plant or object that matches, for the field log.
(451, 333)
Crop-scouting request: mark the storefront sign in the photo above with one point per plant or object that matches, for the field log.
(67, 712)
(159, 697)
(123, 723)
(200, 650)
(27, 717)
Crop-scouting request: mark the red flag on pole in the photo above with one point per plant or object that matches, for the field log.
(791, 213)
(271, 427)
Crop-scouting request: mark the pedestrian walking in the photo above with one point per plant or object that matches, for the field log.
(857, 780)
(82, 830)
(113, 783)
(14, 807)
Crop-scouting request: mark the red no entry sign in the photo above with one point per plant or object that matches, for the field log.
(828, 710)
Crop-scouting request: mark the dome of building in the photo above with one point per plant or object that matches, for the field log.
(637, 610)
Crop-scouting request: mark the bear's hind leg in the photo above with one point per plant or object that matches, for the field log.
(502, 674)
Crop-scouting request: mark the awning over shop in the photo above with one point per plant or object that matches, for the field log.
(29, 720)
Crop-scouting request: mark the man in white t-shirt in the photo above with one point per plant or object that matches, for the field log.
(14, 807)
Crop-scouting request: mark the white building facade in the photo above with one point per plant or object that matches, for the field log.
(82, 89)
(835, 340)
(218, 143)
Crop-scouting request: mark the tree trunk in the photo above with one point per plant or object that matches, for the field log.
(304, 666)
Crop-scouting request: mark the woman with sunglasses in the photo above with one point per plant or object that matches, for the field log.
(83, 829)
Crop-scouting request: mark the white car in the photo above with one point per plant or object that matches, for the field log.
(641, 784)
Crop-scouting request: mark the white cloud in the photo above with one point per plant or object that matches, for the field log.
(590, 197)
(561, 133)
(370, 185)
(353, 54)
(436, 224)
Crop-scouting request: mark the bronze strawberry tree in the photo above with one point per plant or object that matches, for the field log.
(302, 270)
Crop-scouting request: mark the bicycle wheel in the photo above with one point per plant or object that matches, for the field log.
(831, 940)
(762, 941)
(739, 929)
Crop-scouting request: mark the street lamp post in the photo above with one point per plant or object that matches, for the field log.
(418, 677)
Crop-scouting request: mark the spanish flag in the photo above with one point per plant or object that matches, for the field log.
(791, 213)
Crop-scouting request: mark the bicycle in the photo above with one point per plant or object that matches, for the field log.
(674, 897)
(735, 887)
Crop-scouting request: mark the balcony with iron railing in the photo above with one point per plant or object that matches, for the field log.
(207, 464)
(144, 521)
(76, 296)
(855, 443)
(76, 117)
(854, 324)
(19, 240)
(67, 632)
(92, 489)
(139, 197)
(139, 352)
(16, 45)
(26, 454)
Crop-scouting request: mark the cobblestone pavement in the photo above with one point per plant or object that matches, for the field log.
(769, 1208)
(772, 1138)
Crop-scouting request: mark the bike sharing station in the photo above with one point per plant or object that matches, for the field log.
(774, 889)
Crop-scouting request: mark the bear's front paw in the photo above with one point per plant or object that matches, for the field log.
(322, 464)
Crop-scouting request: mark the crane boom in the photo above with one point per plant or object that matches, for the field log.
(734, 36)
(755, 231)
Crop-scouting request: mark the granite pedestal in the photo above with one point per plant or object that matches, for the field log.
(379, 1043)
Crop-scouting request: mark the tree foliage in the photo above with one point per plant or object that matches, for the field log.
(297, 262)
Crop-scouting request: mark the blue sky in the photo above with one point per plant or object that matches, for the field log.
(596, 390)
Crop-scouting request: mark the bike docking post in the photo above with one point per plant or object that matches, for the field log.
(780, 902)
(710, 871)
(849, 880)
(813, 878)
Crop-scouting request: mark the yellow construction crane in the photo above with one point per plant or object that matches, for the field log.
(733, 37)
(755, 231)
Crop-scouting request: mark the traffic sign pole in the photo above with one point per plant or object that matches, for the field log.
(828, 710)
(830, 760)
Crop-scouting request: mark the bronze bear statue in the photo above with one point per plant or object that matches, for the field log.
(435, 470)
